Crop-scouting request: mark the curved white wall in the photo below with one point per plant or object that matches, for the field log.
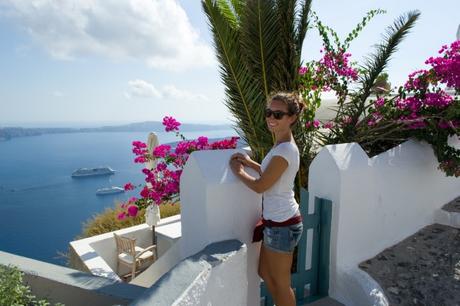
(377, 202)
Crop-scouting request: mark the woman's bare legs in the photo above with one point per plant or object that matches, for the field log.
(275, 270)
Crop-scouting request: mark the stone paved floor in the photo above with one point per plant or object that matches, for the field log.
(423, 269)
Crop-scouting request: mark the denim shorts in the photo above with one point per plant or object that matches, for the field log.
(282, 239)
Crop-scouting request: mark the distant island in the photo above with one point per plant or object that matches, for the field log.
(7, 133)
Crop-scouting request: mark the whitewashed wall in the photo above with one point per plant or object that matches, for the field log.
(377, 202)
(217, 206)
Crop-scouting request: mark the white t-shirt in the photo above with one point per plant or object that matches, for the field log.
(279, 201)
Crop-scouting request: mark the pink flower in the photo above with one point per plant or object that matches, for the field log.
(347, 120)
(312, 124)
(338, 63)
(129, 186)
(447, 67)
(412, 103)
(140, 160)
(139, 144)
(132, 210)
(161, 151)
(121, 216)
(439, 99)
(303, 70)
(379, 103)
(328, 125)
(163, 182)
(417, 80)
(161, 166)
(145, 192)
(202, 142)
(139, 148)
(376, 117)
(146, 171)
(170, 124)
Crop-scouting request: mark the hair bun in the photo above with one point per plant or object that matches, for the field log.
(301, 107)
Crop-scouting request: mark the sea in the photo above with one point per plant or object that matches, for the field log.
(42, 207)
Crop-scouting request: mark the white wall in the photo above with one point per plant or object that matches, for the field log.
(377, 202)
(217, 206)
(220, 283)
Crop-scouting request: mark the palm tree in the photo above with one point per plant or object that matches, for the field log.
(258, 44)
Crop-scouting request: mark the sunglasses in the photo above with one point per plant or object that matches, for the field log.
(277, 114)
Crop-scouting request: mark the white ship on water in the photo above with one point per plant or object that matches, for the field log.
(93, 171)
(109, 190)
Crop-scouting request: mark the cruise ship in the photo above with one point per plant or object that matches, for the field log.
(109, 190)
(93, 171)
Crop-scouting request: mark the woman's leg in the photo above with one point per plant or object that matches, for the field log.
(264, 270)
(276, 268)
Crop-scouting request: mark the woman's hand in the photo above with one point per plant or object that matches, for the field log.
(236, 166)
(243, 158)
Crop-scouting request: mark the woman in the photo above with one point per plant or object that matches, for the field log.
(281, 217)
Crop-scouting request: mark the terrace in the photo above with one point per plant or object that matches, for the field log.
(205, 255)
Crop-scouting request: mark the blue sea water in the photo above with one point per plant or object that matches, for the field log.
(42, 207)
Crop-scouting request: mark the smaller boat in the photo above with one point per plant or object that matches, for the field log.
(109, 190)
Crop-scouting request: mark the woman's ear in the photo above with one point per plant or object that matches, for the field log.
(292, 119)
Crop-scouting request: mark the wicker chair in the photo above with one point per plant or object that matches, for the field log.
(132, 256)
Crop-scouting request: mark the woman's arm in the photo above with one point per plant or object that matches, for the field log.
(267, 179)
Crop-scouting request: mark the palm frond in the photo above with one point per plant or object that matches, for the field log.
(377, 62)
(288, 59)
(241, 91)
(230, 11)
(302, 24)
(238, 6)
(260, 39)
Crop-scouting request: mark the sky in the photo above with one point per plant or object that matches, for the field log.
(92, 62)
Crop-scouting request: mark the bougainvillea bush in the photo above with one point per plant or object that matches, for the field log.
(426, 107)
(162, 182)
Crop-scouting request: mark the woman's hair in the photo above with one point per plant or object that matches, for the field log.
(292, 100)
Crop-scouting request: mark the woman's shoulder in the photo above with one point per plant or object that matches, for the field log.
(286, 149)
(289, 145)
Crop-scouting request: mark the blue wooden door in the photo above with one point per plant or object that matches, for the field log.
(311, 279)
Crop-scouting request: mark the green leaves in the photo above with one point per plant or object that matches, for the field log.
(360, 26)
(13, 291)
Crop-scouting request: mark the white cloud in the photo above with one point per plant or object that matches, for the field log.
(142, 89)
(157, 32)
(57, 94)
(172, 92)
